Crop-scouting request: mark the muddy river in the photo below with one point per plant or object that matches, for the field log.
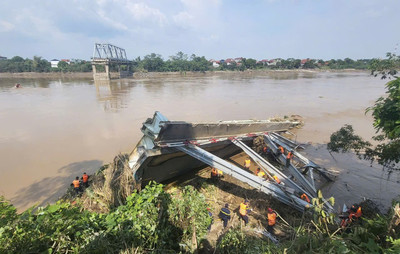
(54, 130)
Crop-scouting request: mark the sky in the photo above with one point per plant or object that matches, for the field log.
(216, 29)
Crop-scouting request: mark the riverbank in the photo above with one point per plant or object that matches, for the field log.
(89, 75)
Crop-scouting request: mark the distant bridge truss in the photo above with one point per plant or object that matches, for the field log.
(106, 54)
(109, 53)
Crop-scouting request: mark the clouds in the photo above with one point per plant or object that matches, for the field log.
(214, 28)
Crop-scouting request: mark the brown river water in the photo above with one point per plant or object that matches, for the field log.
(53, 130)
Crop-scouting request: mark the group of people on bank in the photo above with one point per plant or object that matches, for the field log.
(244, 209)
(80, 184)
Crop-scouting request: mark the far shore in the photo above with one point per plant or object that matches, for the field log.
(89, 75)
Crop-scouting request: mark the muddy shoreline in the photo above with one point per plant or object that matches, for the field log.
(89, 75)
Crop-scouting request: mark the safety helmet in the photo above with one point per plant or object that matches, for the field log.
(270, 210)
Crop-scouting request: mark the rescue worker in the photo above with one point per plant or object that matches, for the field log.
(265, 150)
(280, 151)
(305, 198)
(76, 185)
(271, 220)
(243, 210)
(214, 173)
(85, 180)
(354, 213)
(260, 173)
(225, 214)
(247, 164)
(289, 157)
(220, 173)
(277, 179)
(212, 219)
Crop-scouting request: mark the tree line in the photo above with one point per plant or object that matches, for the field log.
(181, 62)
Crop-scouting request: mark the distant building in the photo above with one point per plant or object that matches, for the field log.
(66, 60)
(54, 63)
(303, 61)
(229, 61)
(238, 59)
(3, 58)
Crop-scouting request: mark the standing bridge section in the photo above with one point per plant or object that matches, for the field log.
(106, 55)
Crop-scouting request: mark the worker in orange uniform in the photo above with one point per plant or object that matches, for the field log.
(247, 164)
(280, 151)
(289, 157)
(243, 210)
(214, 173)
(76, 185)
(85, 180)
(277, 179)
(305, 198)
(354, 213)
(271, 220)
(260, 173)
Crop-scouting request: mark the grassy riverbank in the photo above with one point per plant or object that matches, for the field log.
(111, 217)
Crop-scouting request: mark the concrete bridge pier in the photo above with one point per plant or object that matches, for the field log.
(101, 75)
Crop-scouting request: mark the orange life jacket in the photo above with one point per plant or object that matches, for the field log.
(289, 155)
(243, 209)
(85, 178)
(247, 163)
(281, 149)
(277, 179)
(356, 214)
(75, 183)
(264, 149)
(305, 198)
(271, 219)
(214, 172)
(359, 212)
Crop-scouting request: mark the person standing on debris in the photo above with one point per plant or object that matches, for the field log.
(76, 185)
(214, 173)
(243, 210)
(265, 150)
(85, 180)
(271, 220)
(212, 219)
(247, 164)
(260, 173)
(280, 151)
(289, 157)
(276, 179)
(225, 214)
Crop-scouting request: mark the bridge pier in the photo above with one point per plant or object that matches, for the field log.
(101, 75)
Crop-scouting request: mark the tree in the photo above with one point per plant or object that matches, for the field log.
(250, 63)
(153, 62)
(386, 114)
(63, 66)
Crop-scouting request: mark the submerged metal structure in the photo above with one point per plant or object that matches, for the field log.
(172, 148)
(105, 54)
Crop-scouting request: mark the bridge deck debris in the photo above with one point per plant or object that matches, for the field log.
(172, 148)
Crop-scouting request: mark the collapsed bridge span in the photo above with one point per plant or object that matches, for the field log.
(171, 148)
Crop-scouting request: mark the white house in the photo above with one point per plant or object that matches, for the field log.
(54, 63)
